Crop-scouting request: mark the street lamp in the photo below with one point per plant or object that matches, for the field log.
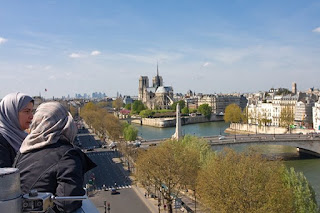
(235, 132)
(195, 201)
(159, 204)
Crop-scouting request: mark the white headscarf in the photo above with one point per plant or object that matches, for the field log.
(10, 106)
(50, 123)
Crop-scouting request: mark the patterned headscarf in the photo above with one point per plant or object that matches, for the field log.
(50, 123)
(10, 106)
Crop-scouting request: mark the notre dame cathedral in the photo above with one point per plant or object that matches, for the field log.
(157, 96)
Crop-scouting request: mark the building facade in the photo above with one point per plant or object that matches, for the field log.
(316, 116)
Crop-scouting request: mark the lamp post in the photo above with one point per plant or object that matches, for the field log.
(235, 132)
(159, 204)
(195, 201)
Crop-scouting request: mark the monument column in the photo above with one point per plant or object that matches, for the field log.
(178, 134)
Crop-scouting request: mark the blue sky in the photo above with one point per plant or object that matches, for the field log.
(207, 46)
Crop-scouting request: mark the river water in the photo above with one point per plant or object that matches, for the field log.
(310, 167)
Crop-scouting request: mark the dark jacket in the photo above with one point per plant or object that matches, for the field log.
(7, 153)
(58, 168)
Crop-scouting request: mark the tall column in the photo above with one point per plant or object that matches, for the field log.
(178, 134)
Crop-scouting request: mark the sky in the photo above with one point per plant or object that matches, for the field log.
(208, 46)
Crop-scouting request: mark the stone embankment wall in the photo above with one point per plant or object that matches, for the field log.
(247, 128)
(170, 122)
(253, 129)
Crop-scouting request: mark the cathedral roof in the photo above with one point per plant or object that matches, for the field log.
(162, 90)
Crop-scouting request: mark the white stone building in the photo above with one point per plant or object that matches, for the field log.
(316, 116)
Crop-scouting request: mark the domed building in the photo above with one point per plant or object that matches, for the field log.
(157, 96)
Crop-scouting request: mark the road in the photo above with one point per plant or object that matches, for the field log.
(126, 201)
(110, 173)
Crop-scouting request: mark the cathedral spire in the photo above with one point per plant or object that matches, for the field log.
(157, 69)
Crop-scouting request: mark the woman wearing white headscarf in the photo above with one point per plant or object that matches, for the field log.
(15, 117)
(48, 162)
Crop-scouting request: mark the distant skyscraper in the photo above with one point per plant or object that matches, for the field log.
(294, 88)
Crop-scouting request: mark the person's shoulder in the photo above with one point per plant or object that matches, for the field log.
(3, 141)
(75, 152)
(2, 138)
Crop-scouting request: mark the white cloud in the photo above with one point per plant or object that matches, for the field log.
(29, 67)
(206, 64)
(48, 67)
(95, 52)
(52, 77)
(316, 30)
(3, 40)
(75, 55)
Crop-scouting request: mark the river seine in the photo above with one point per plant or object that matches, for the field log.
(309, 167)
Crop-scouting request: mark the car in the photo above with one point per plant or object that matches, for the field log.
(90, 149)
(104, 187)
(222, 137)
(112, 145)
(137, 144)
(113, 191)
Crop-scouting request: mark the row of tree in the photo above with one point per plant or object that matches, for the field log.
(106, 124)
(226, 181)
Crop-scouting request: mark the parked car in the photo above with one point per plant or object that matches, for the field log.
(222, 137)
(112, 145)
(113, 191)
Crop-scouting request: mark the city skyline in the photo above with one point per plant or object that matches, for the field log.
(205, 46)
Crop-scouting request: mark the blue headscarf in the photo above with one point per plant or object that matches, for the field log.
(50, 123)
(10, 106)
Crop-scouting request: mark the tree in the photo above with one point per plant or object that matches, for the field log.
(182, 104)
(137, 107)
(245, 115)
(73, 111)
(243, 182)
(147, 113)
(205, 110)
(117, 104)
(303, 193)
(102, 121)
(185, 110)
(99, 123)
(102, 104)
(130, 133)
(114, 127)
(127, 106)
(232, 113)
(200, 148)
(165, 167)
(286, 116)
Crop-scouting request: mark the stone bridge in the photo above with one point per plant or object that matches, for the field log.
(310, 145)
(305, 143)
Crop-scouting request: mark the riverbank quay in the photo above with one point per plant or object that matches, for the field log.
(171, 122)
(236, 128)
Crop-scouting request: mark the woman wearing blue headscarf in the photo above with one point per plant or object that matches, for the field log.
(47, 159)
(15, 118)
